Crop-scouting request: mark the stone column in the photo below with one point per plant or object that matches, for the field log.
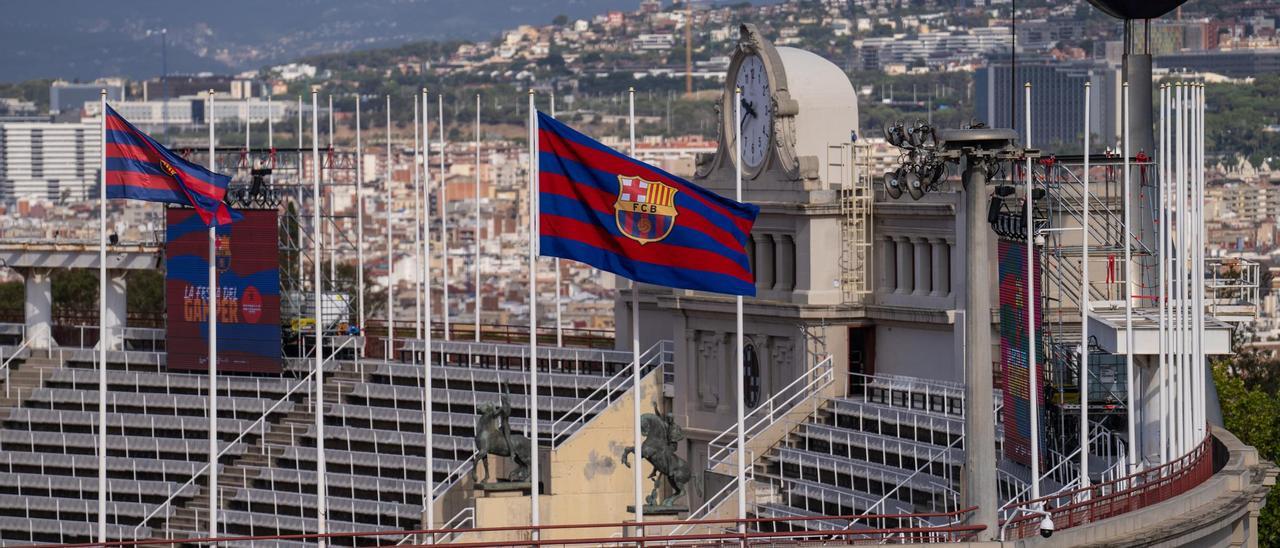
(941, 267)
(39, 308)
(117, 310)
(765, 261)
(888, 265)
(785, 259)
(906, 278)
(921, 267)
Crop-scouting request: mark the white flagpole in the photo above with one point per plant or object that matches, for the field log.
(1181, 266)
(740, 398)
(1131, 404)
(534, 511)
(248, 128)
(635, 351)
(1198, 259)
(302, 279)
(328, 192)
(559, 286)
(476, 268)
(1032, 373)
(444, 218)
(426, 242)
(359, 231)
(322, 487)
(102, 323)
(213, 344)
(1084, 304)
(391, 268)
(1160, 293)
(417, 232)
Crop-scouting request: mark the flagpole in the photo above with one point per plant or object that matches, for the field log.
(322, 488)
(636, 440)
(359, 233)
(1163, 197)
(1084, 304)
(417, 232)
(102, 323)
(1128, 297)
(444, 217)
(535, 518)
(302, 279)
(740, 397)
(429, 385)
(213, 344)
(1032, 372)
(328, 193)
(559, 286)
(391, 265)
(477, 234)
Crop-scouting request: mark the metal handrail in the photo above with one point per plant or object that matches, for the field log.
(5, 365)
(243, 433)
(603, 396)
(1066, 464)
(713, 502)
(465, 516)
(773, 409)
(1121, 495)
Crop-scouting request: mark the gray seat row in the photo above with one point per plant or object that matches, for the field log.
(61, 442)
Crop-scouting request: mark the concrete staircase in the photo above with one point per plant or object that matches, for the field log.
(24, 378)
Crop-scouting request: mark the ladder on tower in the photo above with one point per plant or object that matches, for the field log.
(849, 170)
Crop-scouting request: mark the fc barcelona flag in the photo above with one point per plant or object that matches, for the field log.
(622, 215)
(138, 168)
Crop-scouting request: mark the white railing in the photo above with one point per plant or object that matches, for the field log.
(931, 390)
(453, 478)
(1067, 470)
(464, 519)
(713, 502)
(724, 447)
(563, 428)
(5, 365)
(261, 421)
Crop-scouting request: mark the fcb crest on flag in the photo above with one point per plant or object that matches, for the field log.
(645, 210)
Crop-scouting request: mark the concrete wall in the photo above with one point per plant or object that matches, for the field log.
(585, 481)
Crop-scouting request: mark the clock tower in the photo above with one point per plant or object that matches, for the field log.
(799, 117)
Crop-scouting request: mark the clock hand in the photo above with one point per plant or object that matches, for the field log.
(749, 107)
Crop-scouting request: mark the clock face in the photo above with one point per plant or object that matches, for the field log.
(755, 127)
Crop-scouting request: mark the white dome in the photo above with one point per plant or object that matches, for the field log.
(828, 105)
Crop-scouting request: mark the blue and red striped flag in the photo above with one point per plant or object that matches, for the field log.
(619, 214)
(139, 168)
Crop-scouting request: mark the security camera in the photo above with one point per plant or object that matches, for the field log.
(1046, 527)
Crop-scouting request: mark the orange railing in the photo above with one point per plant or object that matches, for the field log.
(1112, 498)
(720, 532)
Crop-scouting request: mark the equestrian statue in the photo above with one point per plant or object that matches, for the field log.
(494, 437)
(661, 434)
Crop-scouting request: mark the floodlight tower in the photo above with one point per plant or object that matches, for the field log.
(979, 151)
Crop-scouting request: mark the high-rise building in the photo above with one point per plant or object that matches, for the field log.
(48, 160)
(1057, 99)
(69, 95)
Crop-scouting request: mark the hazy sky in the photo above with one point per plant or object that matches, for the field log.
(79, 39)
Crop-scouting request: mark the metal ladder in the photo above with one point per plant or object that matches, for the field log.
(849, 170)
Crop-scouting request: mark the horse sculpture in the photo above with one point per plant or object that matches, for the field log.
(661, 434)
(493, 437)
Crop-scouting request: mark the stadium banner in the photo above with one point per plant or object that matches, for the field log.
(248, 301)
(1013, 349)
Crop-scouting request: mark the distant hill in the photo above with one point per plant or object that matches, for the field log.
(74, 39)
